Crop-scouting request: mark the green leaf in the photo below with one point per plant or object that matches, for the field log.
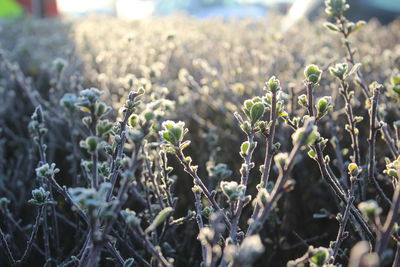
(395, 81)
(244, 148)
(129, 262)
(358, 26)
(311, 153)
(331, 27)
(169, 137)
(256, 112)
(354, 69)
(160, 218)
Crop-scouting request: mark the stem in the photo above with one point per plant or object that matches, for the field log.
(115, 253)
(344, 91)
(278, 189)
(361, 82)
(7, 248)
(45, 229)
(200, 223)
(246, 167)
(386, 231)
(95, 171)
(331, 180)
(152, 249)
(396, 261)
(187, 168)
(118, 153)
(343, 221)
(268, 152)
(371, 141)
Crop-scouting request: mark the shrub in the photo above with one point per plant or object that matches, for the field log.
(116, 176)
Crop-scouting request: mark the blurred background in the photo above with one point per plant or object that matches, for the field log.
(384, 10)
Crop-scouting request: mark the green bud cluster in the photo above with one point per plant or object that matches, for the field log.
(40, 197)
(313, 74)
(254, 109)
(233, 191)
(173, 132)
(370, 209)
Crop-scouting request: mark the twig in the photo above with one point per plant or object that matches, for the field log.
(343, 220)
(246, 167)
(278, 189)
(385, 233)
(32, 236)
(268, 151)
(198, 181)
(6, 248)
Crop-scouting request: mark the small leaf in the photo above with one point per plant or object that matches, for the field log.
(354, 69)
(129, 262)
(244, 148)
(331, 27)
(358, 26)
(160, 218)
(256, 112)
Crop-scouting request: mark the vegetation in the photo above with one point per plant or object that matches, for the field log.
(300, 168)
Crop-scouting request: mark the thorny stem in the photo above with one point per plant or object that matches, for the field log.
(268, 151)
(198, 181)
(371, 141)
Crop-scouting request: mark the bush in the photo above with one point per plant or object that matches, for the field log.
(114, 167)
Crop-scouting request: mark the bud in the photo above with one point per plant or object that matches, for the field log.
(310, 140)
(319, 256)
(131, 218)
(336, 8)
(232, 190)
(370, 209)
(280, 159)
(323, 106)
(39, 196)
(91, 143)
(68, 101)
(272, 85)
(59, 64)
(353, 169)
(303, 101)
(244, 148)
(339, 71)
(312, 74)
(250, 249)
(173, 132)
